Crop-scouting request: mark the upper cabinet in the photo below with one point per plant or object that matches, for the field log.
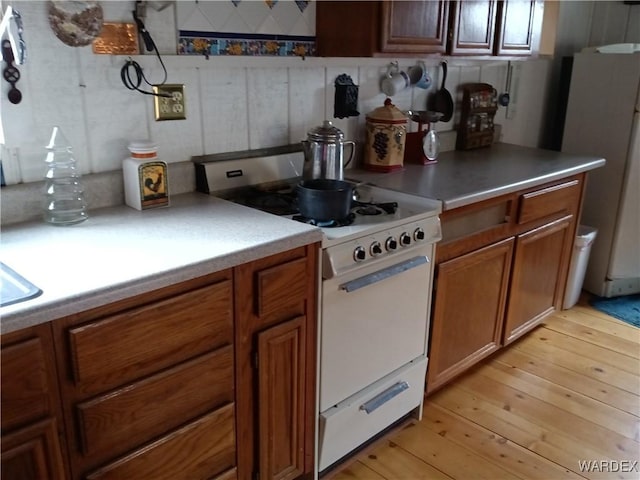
(519, 27)
(413, 27)
(465, 28)
(473, 27)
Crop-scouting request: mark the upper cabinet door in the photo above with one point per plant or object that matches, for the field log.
(473, 27)
(519, 27)
(414, 27)
(359, 28)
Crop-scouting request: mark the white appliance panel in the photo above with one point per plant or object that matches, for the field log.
(369, 332)
(625, 254)
(348, 425)
(600, 121)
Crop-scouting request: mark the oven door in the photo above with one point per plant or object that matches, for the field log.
(374, 321)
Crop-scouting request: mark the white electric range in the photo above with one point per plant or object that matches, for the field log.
(375, 297)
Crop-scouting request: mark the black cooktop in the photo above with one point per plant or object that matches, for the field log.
(283, 201)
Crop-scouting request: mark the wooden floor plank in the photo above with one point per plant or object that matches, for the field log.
(626, 424)
(583, 307)
(446, 456)
(586, 365)
(563, 395)
(581, 347)
(591, 387)
(355, 471)
(496, 448)
(584, 316)
(624, 345)
(559, 447)
(609, 443)
(392, 462)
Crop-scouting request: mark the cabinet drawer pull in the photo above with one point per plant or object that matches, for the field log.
(384, 397)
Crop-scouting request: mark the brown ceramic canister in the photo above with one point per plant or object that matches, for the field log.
(386, 136)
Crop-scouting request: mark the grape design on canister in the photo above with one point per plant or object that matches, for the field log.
(380, 141)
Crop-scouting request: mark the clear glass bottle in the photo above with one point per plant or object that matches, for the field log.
(64, 202)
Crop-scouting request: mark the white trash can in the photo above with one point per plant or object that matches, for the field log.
(578, 266)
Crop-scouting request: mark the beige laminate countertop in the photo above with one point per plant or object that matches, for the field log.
(120, 252)
(460, 178)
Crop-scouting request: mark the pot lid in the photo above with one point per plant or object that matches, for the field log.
(326, 133)
(388, 113)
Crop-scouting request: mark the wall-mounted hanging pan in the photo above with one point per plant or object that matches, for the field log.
(441, 101)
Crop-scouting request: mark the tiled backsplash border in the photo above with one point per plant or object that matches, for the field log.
(251, 44)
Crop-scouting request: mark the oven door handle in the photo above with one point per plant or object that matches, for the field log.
(383, 274)
(386, 396)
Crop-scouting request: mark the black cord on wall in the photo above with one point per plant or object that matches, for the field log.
(134, 82)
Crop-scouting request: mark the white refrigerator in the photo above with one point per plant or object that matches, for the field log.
(603, 118)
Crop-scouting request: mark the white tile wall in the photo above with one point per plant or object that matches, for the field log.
(232, 103)
(307, 87)
(223, 100)
(249, 16)
(268, 107)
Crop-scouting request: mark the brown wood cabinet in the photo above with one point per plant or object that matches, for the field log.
(473, 27)
(157, 385)
(519, 27)
(469, 310)
(32, 429)
(501, 269)
(425, 27)
(414, 27)
(276, 365)
(538, 280)
(146, 380)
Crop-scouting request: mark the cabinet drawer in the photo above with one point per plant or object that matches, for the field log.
(134, 414)
(556, 199)
(129, 345)
(199, 450)
(281, 286)
(25, 389)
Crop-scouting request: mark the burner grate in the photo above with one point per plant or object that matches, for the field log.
(282, 200)
(327, 223)
(374, 208)
(275, 202)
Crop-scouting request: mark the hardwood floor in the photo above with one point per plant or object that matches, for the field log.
(561, 403)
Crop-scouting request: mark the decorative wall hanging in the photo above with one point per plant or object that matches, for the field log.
(117, 39)
(345, 102)
(75, 23)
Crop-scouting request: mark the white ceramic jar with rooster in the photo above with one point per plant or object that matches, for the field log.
(145, 177)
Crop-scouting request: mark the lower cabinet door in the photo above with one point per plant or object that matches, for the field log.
(470, 298)
(200, 450)
(33, 453)
(538, 278)
(281, 393)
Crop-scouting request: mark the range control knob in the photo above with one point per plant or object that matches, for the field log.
(375, 249)
(418, 234)
(405, 239)
(359, 254)
(390, 244)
